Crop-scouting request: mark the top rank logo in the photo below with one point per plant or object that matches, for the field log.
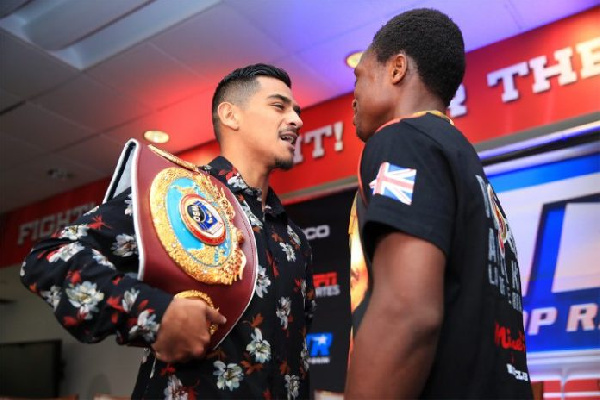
(326, 284)
(319, 347)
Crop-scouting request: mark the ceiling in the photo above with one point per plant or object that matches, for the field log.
(78, 78)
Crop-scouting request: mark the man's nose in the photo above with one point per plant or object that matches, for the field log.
(296, 120)
(354, 104)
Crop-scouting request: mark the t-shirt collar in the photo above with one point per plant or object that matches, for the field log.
(417, 115)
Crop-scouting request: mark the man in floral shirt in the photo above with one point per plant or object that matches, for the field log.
(87, 272)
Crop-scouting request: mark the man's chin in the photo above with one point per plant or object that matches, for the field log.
(361, 135)
(284, 164)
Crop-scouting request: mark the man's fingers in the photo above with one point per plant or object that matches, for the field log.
(186, 330)
(169, 357)
(161, 356)
(215, 316)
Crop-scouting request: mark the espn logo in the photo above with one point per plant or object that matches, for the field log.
(326, 284)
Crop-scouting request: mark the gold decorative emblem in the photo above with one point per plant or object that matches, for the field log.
(194, 222)
(174, 159)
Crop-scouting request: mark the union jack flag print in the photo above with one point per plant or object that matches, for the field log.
(395, 182)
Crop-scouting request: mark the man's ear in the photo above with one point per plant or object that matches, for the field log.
(398, 67)
(229, 115)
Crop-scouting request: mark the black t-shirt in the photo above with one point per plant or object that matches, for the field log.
(422, 177)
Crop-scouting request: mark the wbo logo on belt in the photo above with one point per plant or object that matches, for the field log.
(201, 219)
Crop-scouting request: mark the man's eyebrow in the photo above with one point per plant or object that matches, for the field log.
(286, 100)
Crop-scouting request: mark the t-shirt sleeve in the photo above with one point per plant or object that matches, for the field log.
(407, 184)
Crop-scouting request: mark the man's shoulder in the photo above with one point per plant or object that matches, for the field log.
(213, 167)
(444, 135)
(401, 135)
(426, 128)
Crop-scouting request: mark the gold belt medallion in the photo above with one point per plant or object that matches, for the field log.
(194, 222)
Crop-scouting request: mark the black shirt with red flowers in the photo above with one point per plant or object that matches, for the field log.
(87, 272)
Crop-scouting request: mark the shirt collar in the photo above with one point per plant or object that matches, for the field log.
(417, 115)
(225, 172)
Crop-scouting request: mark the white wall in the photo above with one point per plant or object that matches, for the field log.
(89, 368)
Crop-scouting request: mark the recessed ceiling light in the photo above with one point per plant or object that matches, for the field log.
(353, 59)
(156, 136)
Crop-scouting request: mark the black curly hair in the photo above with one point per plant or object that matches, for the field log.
(240, 84)
(433, 41)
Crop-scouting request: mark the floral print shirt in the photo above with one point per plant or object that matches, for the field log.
(87, 273)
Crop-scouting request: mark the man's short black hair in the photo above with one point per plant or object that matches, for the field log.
(433, 41)
(240, 84)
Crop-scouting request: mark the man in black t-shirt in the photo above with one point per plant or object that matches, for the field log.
(443, 313)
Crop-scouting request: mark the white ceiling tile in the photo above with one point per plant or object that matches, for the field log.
(86, 32)
(79, 19)
(150, 76)
(9, 6)
(298, 25)
(92, 104)
(14, 152)
(330, 57)
(99, 152)
(530, 14)
(37, 126)
(188, 123)
(27, 71)
(8, 99)
(38, 170)
(217, 41)
(31, 181)
(17, 190)
(132, 130)
(308, 86)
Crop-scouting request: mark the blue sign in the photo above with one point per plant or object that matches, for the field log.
(562, 295)
(318, 344)
(566, 320)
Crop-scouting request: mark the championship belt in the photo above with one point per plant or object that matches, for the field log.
(194, 240)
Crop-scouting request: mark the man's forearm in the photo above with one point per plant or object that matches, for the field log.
(397, 339)
(391, 358)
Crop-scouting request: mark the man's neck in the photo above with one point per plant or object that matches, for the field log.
(404, 110)
(415, 98)
(255, 174)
